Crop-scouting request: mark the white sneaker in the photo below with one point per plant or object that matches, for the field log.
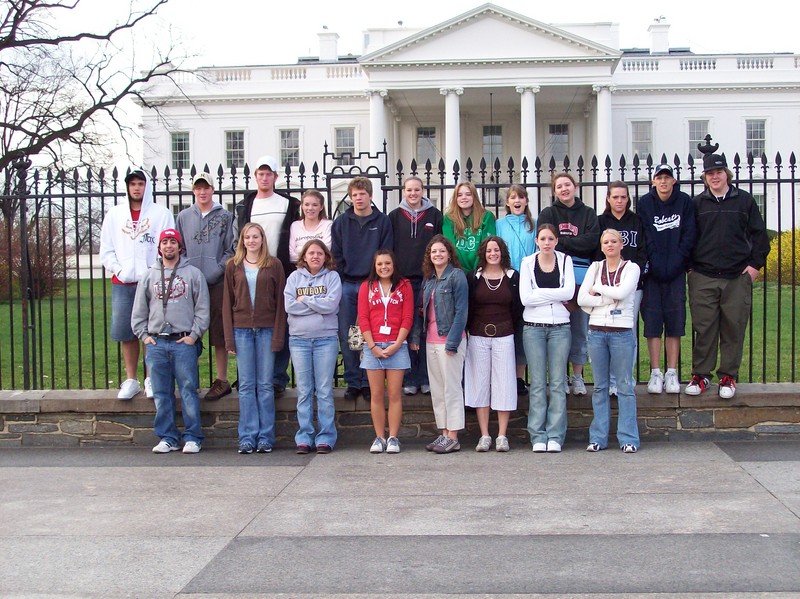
(612, 389)
(553, 446)
(148, 388)
(425, 389)
(501, 444)
(410, 390)
(484, 443)
(191, 447)
(539, 447)
(671, 382)
(656, 384)
(567, 390)
(164, 447)
(392, 445)
(578, 386)
(128, 389)
(378, 446)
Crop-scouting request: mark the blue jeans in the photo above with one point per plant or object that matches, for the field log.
(611, 353)
(547, 350)
(354, 376)
(314, 365)
(255, 360)
(579, 325)
(280, 375)
(417, 375)
(170, 362)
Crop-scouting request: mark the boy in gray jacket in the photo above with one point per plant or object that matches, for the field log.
(170, 315)
(207, 230)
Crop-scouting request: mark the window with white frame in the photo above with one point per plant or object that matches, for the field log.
(642, 138)
(180, 150)
(558, 141)
(760, 200)
(345, 145)
(492, 144)
(234, 149)
(290, 147)
(426, 146)
(755, 137)
(698, 129)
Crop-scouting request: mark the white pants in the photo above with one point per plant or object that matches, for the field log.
(490, 374)
(447, 396)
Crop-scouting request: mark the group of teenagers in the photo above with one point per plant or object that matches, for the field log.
(458, 304)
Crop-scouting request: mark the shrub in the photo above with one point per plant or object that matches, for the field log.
(789, 258)
(47, 264)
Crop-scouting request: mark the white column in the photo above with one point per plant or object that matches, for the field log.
(377, 119)
(452, 127)
(527, 123)
(603, 121)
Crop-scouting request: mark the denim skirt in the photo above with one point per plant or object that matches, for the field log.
(400, 360)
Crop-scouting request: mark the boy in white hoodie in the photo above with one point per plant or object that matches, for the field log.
(128, 247)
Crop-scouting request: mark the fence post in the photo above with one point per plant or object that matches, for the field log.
(21, 165)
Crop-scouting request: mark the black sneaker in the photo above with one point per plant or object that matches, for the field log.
(366, 393)
(352, 393)
(278, 390)
(522, 387)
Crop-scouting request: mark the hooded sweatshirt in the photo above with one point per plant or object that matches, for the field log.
(413, 229)
(632, 230)
(128, 248)
(578, 232)
(316, 315)
(670, 232)
(207, 240)
(355, 240)
(513, 229)
(188, 308)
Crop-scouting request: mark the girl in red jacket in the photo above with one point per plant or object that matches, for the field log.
(385, 315)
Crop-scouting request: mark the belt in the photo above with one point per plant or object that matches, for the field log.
(608, 329)
(171, 336)
(546, 325)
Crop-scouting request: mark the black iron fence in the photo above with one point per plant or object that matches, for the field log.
(55, 297)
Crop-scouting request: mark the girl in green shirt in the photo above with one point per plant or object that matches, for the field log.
(467, 223)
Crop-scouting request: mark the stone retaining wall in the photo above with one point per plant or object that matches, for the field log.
(97, 418)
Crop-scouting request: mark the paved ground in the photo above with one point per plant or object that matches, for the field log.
(676, 520)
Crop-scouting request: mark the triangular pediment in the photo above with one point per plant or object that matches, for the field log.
(489, 34)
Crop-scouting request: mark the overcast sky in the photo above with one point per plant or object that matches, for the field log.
(246, 32)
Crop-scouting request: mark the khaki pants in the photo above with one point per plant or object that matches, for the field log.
(720, 310)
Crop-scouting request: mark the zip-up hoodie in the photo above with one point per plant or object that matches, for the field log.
(128, 252)
(413, 229)
(632, 230)
(513, 229)
(354, 244)
(188, 308)
(614, 306)
(238, 311)
(670, 232)
(242, 212)
(207, 240)
(730, 234)
(544, 304)
(578, 232)
(316, 315)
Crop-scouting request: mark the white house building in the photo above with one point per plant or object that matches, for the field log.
(489, 83)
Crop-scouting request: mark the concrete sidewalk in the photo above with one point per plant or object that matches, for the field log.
(675, 520)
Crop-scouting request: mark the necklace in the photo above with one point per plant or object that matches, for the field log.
(249, 262)
(490, 286)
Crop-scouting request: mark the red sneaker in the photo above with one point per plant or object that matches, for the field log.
(698, 385)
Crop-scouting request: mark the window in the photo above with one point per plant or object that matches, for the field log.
(492, 144)
(426, 146)
(290, 147)
(642, 138)
(697, 135)
(756, 137)
(759, 199)
(234, 148)
(345, 145)
(558, 141)
(180, 150)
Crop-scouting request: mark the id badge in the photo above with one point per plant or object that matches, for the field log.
(616, 312)
(384, 330)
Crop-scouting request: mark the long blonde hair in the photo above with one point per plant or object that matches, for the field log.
(264, 259)
(455, 215)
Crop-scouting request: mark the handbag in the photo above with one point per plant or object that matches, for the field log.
(355, 340)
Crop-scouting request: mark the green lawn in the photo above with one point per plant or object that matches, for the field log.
(73, 349)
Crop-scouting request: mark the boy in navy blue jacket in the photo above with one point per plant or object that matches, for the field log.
(670, 232)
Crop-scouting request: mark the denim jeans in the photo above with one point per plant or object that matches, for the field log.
(314, 365)
(170, 362)
(611, 353)
(280, 375)
(637, 302)
(579, 325)
(354, 376)
(417, 375)
(547, 351)
(255, 361)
